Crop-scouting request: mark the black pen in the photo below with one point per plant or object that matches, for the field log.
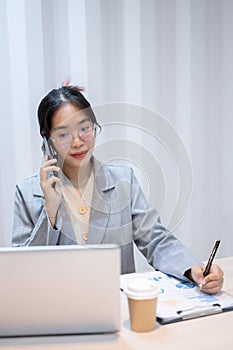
(210, 261)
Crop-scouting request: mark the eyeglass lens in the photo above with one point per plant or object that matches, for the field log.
(65, 139)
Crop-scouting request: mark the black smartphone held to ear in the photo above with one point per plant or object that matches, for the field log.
(49, 151)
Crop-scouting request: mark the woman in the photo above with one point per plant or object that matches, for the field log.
(77, 200)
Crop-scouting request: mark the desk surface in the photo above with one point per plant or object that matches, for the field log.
(210, 332)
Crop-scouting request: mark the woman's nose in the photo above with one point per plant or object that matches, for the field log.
(77, 141)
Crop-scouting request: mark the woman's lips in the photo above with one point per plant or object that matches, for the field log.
(79, 155)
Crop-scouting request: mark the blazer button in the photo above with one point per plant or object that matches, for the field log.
(85, 236)
(82, 210)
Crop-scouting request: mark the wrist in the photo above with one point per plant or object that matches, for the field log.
(51, 213)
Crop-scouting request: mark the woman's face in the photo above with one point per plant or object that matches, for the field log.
(67, 123)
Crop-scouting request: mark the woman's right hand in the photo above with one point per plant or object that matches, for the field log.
(50, 187)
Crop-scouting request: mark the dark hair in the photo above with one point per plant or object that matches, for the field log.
(57, 98)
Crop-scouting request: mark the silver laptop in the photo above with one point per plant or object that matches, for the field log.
(59, 290)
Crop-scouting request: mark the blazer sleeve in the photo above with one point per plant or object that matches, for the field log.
(31, 225)
(160, 247)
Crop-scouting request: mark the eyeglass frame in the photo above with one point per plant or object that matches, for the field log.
(94, 130)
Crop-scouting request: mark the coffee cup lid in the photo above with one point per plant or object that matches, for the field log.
(142, 289)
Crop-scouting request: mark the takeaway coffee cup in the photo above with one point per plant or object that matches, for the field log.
(142, 300)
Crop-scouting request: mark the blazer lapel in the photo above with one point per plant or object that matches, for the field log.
(100, 206)
(67, 231)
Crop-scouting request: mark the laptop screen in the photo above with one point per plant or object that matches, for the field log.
(59, 290)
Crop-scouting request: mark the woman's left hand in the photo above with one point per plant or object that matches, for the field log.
(210, 284)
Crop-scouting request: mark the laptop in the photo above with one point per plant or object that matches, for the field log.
(59, 290)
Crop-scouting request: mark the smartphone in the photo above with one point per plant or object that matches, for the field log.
(49, 151)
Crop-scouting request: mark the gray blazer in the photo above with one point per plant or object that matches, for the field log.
(120, 214)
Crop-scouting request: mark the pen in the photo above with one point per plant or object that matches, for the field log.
(210, 261)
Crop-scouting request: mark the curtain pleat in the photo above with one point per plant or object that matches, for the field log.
(169, 61)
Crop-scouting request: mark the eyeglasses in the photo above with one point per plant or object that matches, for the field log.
(65, 139)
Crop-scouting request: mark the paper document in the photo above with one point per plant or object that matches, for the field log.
(180, 300)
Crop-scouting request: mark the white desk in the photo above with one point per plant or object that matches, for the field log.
(211, 332)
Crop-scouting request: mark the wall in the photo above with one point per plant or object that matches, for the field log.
(169, 61)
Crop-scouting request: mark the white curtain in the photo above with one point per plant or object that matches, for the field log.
(169, 61)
